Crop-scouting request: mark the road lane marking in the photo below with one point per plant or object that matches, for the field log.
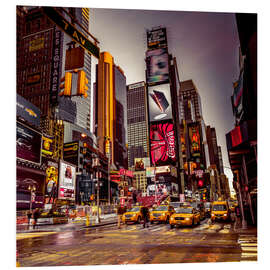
(20, 236)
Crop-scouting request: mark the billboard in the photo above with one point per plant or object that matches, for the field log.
(27, 111)
(162, 144)
(71, 152)
(141, 163)
(195, 140)
(157, 66)
(51, 178)
(28, 143)
(159, 103)
(67, 179)
(47, 145)
(156, 38)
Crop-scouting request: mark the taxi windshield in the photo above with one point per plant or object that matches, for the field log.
(134, 209)
(183, 211)
(161, 208)
(219, 207)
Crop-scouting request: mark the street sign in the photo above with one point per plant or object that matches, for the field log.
(69, 29)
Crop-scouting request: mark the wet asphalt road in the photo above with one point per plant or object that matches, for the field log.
(133, 244)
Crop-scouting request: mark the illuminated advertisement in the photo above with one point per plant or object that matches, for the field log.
(159, 100)
(141, 163)
(27, 111)
(47, 145)
(71, 152)
(28, 143)
(67, 178)
(51, 177)
(36, 44)
(157, 65)
(195, 140)
(162, 144)
(156, 38)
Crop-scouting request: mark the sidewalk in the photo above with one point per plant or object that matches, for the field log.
(72, 225)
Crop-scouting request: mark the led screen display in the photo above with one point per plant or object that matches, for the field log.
(157, 65)
(67, 180)
(162, 144)
(28, 144)
(159, 100)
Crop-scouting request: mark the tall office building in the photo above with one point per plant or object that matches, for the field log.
(110, 110)
(137, 125)
(189, 102)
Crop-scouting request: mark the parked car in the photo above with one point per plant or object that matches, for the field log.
(188, 215)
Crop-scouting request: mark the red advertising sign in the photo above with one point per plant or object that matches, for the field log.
(162, 141)
(122, 201)
(126, 172)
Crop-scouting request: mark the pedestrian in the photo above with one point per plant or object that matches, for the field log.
(237, 216)
(145, 214)
(120, 211)
(29, 215)
(35, 216)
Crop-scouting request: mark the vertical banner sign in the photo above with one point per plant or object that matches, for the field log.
(195, 141)
(56, 65)
(51, 178)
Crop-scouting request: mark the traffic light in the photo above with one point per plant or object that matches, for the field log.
(200, 183)
(66, 84)
(82, 84)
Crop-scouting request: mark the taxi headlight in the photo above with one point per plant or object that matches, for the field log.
(171, 218)
(212, 215)
(163, 214)
(187, 218)
(225, 215)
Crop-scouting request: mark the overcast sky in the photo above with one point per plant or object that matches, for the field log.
(205, 45)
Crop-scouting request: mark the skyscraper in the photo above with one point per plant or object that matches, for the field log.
(137, 122)
(110, 108)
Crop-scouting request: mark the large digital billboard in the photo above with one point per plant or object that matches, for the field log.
(159, 100)
(141, 163)
(157, 66)
(51, 178)
(28, 143)
(67, 181)
(71, 152)
(162, 144)
(156, 38)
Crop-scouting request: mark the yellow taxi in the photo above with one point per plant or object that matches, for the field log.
(161, 214)
(188, 216)
(220, 211)
(133, 215)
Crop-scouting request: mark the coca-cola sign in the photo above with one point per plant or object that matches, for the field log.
(162, 141)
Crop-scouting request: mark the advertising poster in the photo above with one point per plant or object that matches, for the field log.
(141, 163)
(28, 143)
(195, 140)
(162, 144)
(159, 101)
(67, 179)
(51, 178)
(157, 66)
